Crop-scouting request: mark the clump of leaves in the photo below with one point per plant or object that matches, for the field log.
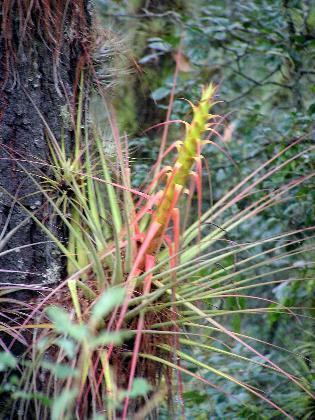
(144, 289)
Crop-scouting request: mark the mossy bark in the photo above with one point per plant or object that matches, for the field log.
(41, 50)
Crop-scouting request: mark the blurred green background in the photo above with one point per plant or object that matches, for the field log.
(261, 54)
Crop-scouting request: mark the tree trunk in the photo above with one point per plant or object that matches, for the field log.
(43, 46)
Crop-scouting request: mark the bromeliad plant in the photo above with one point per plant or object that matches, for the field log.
(142, 293)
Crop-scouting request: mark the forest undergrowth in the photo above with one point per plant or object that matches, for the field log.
(152, 280)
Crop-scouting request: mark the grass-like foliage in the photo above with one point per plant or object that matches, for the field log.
(142, 307)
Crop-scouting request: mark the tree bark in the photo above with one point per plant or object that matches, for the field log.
(43, 45)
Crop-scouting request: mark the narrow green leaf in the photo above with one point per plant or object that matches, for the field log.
(64, 325)
(60, 370)
(106, 338)
(140, 388)
(106, 303)
(62, 403)
(7, 361)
